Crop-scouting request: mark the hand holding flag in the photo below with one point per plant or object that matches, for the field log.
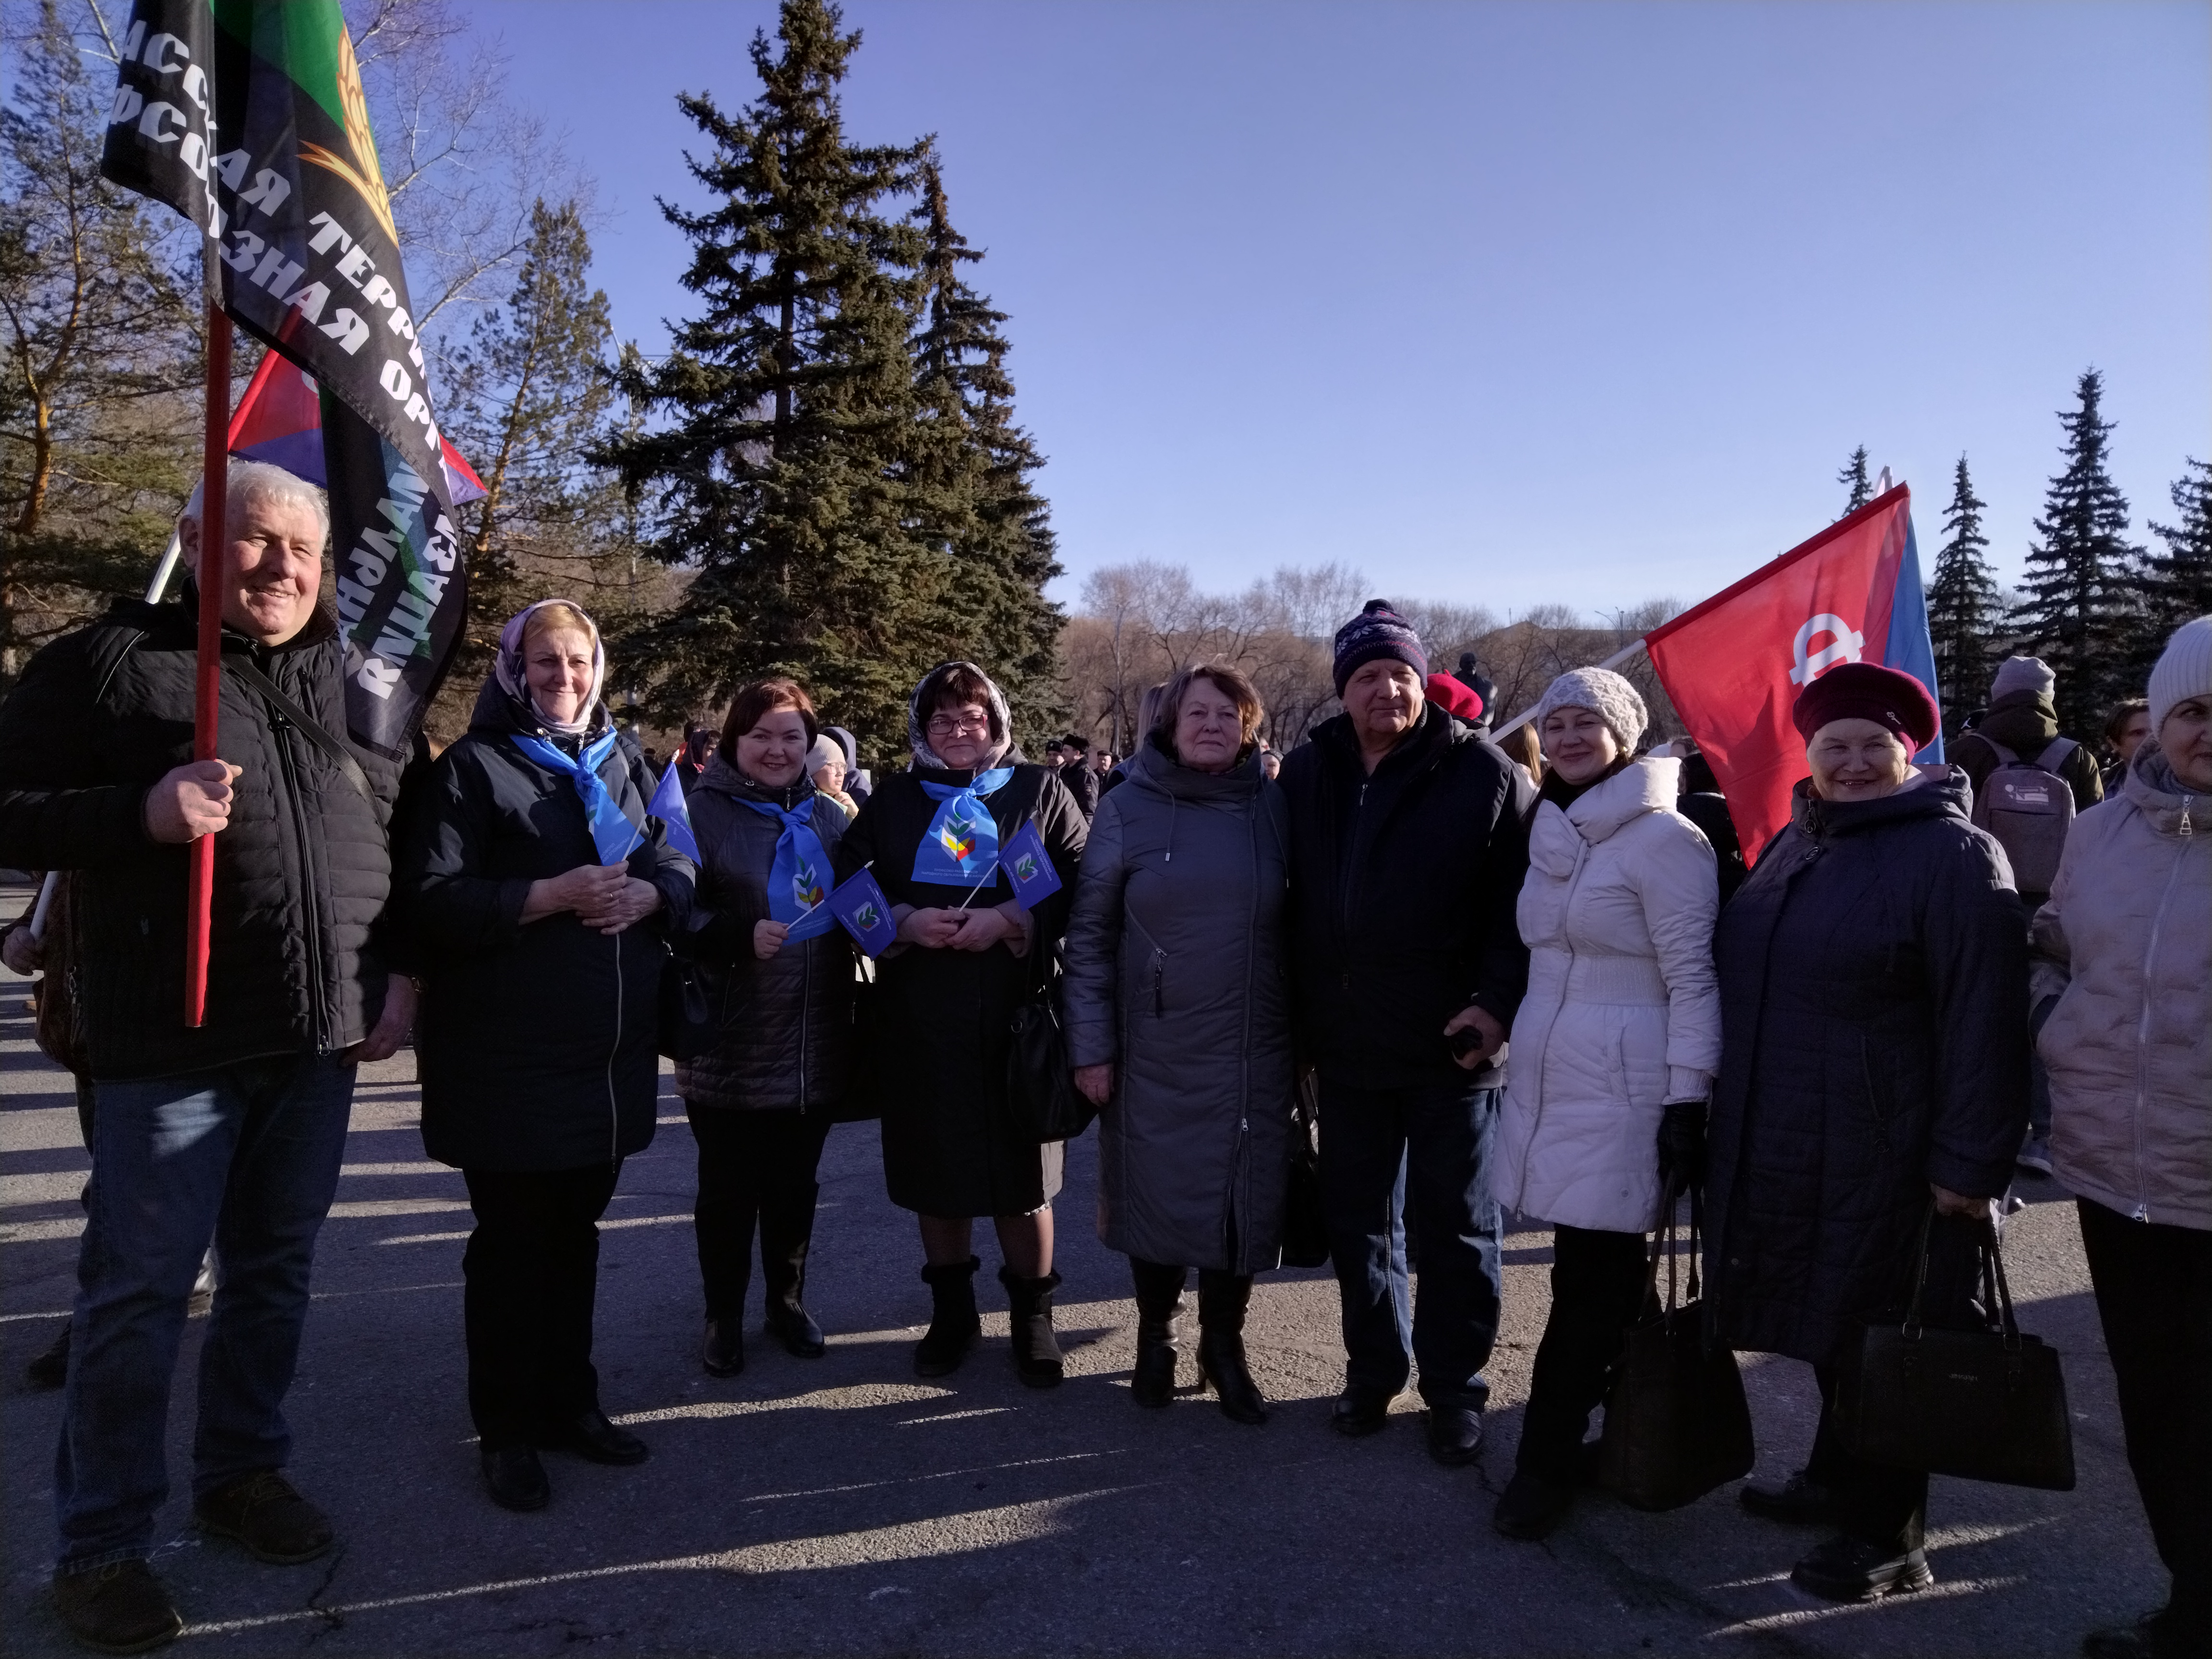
(859, 903)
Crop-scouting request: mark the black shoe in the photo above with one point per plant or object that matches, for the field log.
(1845, 1570)
(263, 1511)
(1152, 1380)
(118, 1608)
(1532, 1505)
(516, 1479)
(596, 1440)
(1037, 1358)
(794, 1327)
(1359, 1411)
(954, 1326)
(723, 1354)
(50, 1369)
(1454, 1435)
(2153, 1636)
(1800, 1501)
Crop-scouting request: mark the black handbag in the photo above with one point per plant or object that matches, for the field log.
(1305, 1224)
(1040, 1085)
(688, 1025)
(1676, 1423)
(1982, 1405)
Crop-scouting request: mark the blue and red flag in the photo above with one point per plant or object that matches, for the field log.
(280, 421)
(1735, 665)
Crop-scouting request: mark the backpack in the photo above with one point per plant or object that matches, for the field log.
(2028, 807)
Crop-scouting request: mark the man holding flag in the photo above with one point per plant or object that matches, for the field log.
(232, 1129)
(220, 774)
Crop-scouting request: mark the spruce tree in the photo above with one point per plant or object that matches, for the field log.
(1854, 474)
(2179, 580)
(775, 483)
(1962, 605)
(971, 467)
(529, 395)
(2078, 607)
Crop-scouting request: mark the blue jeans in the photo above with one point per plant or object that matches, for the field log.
(248, 1154)
(1437, 1136)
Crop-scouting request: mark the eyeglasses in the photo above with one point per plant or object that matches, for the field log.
(947, 725)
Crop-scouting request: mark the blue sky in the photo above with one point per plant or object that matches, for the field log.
(1505, 303)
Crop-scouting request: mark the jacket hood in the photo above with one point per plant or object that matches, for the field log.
(2023, 721)
(1641, 787)
(1153, 768)
(2162, 798)
(1938, 791)
(720, 774)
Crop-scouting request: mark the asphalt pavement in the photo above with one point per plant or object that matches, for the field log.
(843, 1505)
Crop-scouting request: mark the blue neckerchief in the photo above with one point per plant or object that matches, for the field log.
(799, 875)
(612, 832)
(962, 841)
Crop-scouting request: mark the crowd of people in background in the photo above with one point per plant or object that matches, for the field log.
(1528, 971)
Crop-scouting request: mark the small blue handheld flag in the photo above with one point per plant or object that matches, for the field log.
(1029, 866)
(861, 905)
(674, 812)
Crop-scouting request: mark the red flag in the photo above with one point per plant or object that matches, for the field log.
(1735, 665)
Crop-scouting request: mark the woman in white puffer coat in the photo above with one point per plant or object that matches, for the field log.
(1614, 1051)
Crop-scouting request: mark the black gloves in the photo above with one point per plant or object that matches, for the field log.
(1683, 1147)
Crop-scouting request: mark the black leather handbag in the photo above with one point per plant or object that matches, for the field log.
(1982, 1405)
(687, 1015)
(1676, 1423)
(1305, 1223)
(1040, 1085)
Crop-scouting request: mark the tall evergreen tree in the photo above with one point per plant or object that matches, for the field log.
(776, 484)
(2180, 580)
(1963, 605)
(529, 395)
(972, 469)
(2079, 603)
(1854, 474)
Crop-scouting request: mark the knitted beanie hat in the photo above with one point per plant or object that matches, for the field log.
(2184, 671)
(1606, 694)
(2023, 674)
(1378, 632)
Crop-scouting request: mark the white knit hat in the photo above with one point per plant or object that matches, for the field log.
(2184, 671)
(1606, 694)
(2023, 674)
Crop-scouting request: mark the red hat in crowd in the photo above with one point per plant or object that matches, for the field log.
(1868, 691)
(1456, 698)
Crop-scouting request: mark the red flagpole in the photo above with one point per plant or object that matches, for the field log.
(207, 683)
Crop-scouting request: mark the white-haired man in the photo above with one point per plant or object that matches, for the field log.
(234, 1130)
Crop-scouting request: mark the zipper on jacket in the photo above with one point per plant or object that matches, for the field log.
(1544, 1043)
(2142, 1024)
(1159, 978)
(614, 1109)
(312, 932)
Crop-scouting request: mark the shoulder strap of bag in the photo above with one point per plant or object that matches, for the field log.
(2005, 756)
(310, 728)
(1920, 1274)
(2055, 757)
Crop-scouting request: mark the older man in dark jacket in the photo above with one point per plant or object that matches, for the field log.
(1408, 849)
(234, 1128)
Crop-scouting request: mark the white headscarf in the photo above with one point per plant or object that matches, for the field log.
(507, 669)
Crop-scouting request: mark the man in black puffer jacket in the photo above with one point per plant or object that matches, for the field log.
(1408, 849)
(235, 1129)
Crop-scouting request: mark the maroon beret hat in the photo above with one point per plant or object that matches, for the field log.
(1868, 691)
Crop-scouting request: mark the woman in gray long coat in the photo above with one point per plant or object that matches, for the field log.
(1178, 1020)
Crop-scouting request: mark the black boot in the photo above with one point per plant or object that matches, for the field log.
(50, 1369)
(1159, 1310)
(723, 1354)
(787, 1230)
(1222, 1299)
(1029, 1319)
(954, 1326)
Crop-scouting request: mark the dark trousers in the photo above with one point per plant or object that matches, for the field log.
(532, 1267)
(2154, 1285)
(1597, 1291)
(1375, 1144)
(1880, 1505)
(755, 1169)
(1159, 1287)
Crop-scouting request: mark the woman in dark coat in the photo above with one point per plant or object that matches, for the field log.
(778, 976)
(1873, 974)
(536, 891)
(1179, 1026)
(966, 955)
